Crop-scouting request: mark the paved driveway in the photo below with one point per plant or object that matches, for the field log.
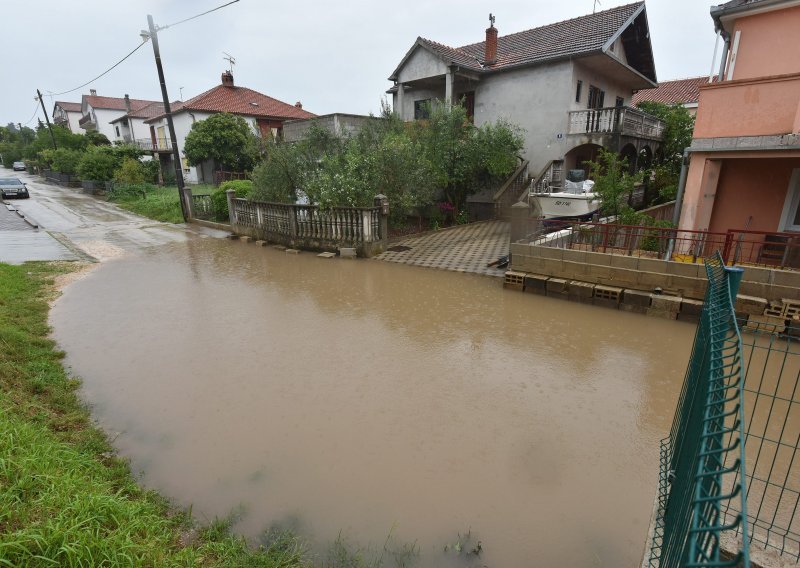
(467, 248)
(20, 242)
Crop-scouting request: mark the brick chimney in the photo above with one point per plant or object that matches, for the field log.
(298, 104)
(490, 55)
(93, 92)
(227, 79)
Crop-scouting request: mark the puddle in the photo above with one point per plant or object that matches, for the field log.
(368, 398)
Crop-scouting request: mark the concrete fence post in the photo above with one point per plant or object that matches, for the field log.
(520, 212)
(382, 201)
(231, 195)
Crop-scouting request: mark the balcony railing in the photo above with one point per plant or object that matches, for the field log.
(627, 121)
(160, 144)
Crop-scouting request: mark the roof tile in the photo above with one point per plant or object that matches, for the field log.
(683, 91)
(582, 35)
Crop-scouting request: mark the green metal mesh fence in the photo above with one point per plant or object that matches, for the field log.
(702, 460)
(771, 359)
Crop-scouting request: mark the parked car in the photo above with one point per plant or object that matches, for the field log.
(19, 166)
(13, 187)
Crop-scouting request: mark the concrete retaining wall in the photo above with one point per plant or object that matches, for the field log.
(646, 274)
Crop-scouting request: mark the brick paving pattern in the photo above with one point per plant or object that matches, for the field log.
(468, 248)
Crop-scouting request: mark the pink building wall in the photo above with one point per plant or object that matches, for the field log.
(751, 188)
(768, 44)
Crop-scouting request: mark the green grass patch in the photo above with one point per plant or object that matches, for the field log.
(158, 203)
(65, 499)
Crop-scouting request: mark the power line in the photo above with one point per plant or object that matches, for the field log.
(101, 74)
(35, 112)
(137, 48)
(197, 16)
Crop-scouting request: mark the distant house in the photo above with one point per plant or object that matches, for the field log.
(569, 85)
(67, 115)
(98, 112)
(684, 92)
(130, 127)
(338, 124)
(745, 155)
(264, 114)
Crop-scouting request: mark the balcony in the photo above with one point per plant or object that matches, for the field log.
(766, 106)
(88, 122)
(157, 145)
(626, 121)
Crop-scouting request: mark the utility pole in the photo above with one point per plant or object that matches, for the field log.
(184, 192)
(50, 128)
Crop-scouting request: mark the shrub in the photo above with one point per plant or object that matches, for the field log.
(219, 199)
(130, 172)
(150, 169)
(65, 161)
(98, 164)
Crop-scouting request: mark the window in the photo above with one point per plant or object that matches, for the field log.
(422, 109)
(117, 128)
(578, 92)
(596, 97)
(620, 102)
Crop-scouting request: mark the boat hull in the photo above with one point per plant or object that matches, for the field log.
(566, 205)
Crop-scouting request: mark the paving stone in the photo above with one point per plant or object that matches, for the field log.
(347, 252)
(261, 243)
(661, 302)
(580, 291)
(327, 255)
(292, 251)
(247, 239)
(770, 324)
(557, 288)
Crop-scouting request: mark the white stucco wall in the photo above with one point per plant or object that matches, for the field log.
(420, 65)
(104, 118)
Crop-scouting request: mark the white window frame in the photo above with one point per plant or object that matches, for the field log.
(791, 203)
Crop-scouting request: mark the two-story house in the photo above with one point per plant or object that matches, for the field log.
(67, 115)
(131, 125)
(568, 85)
(99, 112)
(744, 170)
(264, 114)
(684, 92)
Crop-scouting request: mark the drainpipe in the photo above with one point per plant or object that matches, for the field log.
(676, 215)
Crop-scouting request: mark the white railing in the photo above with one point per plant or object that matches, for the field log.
(616, 120)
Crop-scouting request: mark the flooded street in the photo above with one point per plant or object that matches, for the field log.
(365, 399)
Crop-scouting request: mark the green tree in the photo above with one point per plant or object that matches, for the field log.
(224, 138)
(613, 183)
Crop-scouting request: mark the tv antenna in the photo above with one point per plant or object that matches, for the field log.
(231, 61)
(596, 2)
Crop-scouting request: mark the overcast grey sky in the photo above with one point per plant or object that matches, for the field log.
(332, 56)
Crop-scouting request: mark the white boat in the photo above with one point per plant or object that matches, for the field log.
(574, 200)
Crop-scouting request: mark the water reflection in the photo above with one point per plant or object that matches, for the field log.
(370, 397)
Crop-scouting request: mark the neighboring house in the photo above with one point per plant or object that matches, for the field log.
(744, 171)
(569, 85)
(131, 127)
(264, 114)
(68, 115)
(98, 112)
(339, 124)
(685, 92)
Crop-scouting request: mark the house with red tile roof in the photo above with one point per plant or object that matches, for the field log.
(264, 114)
(684, 92)
(569, 85)
(67, 115)
(98, 112)
(131, 126)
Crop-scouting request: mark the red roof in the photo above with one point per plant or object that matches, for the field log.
(115, 103)
(244, 101)
(148, 111)
(682, 91)
(569, 38)
(69, 107)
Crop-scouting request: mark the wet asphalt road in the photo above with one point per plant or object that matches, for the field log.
(76, 226)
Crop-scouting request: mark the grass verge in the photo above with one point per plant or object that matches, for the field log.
(65, 499)
(161, 204)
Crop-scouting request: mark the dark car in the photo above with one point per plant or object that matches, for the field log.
(19, 166)
(13, 187)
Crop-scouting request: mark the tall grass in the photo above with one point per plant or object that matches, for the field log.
(65, 499)
(158, 203)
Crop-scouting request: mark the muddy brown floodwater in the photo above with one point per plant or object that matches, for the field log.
(365, 399)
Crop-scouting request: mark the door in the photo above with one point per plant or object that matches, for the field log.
(162, 138)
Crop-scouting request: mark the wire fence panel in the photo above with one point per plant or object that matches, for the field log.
(772, 436)
(702, 460)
